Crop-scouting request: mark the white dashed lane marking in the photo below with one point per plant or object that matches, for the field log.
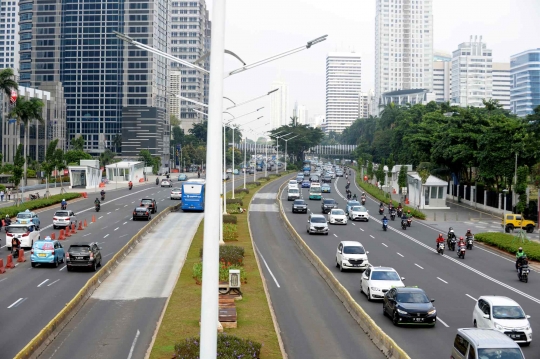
(418, 266)
(442, 280)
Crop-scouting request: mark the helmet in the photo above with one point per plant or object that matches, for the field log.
(468, 230)
(409, 211)
(63, 199)
(520, 249)
(461, 238)
(7, 216)
(450, 229)
(440, 235)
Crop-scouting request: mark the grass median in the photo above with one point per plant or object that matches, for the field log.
(37, 204)
(510, 243)
(181, 319)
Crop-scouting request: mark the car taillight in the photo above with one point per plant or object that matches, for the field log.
(32, 251)
(147, 213)
(25, 235)
(91, 255)
(55, 219)
(67, 256)
(52, 251)
(134, 213)
(9, 234)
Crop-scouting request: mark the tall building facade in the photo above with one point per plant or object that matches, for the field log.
(365, 100)
(525, 82)
(403, 47)
(343, 87)
(301, 114)
(472, 79)
(279, 104)
(9, 35)
(501, 83)
(189, 41)
(442, 76)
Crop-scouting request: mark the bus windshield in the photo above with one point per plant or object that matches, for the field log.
(315, 189)
(192, 189)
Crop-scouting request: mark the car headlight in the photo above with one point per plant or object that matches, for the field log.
(433, 311)
(375, 289)
(528, 328)
(401, 311)
(498, 326)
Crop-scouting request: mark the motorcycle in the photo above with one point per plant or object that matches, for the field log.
(35, 196)
(97, 207)
(381, 210)
(409, 222)
(130, 187)
(403, 224)
(524, 275)
(400, 212)
(393, 215)
(15, 251)
(103, 197)
(451, 235)
(385, 224)
(461, 252)
(452, 243)
(363, 201)
(63, 207)
(470, 241)
(440, 248)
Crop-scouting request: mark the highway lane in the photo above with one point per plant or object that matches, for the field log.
(452, 282)
(313, 322)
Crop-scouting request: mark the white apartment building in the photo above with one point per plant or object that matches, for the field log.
(403, 47)
(472, 79)
(365, 100)
(301, 114)
(501, 83)
(343, 86)
(279, 104)
(9, 35)
(442, 76)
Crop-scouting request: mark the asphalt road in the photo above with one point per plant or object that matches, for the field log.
(453, 283)
(31, 297)
(313, 322)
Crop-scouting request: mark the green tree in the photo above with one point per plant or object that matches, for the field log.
(107, 157)
(7, 81)
(380, 174)
(49, 163)
(73, 157)
(117, 142)
(77, 144)
(146, 157)
(402, 177)
(199, 130)
(174, 121)
(521, 188)
(307, 137)
(370, 170)
(18, 164)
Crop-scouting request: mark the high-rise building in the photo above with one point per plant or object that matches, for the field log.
(525, 82)
(343, 86)
(115, 94)
(365, 101)
(9, 35)
(190, 40)
(442, 76)
(403, 47)
(501, 83)
(301, 114)
(279, 104)
(472, 79)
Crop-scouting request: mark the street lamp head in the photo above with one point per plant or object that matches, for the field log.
(273, 91)
(316, 41)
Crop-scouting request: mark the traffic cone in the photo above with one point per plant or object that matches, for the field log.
(61, 235)
(85, 224)
(2, 269)
(21, 256)
(10, 261)
(80, 226)
(53, 235)
(73, 229)
(67, 234)
(93, 219)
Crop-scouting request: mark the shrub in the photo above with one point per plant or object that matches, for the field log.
(2, 188)
(264, 178)
(38, 203)
(241, 190)
(233, 255)
(31, 173)
(256, 183)
(510, 244)
(197, 272)
(229, 218)
(235, 201)
(230, 232)
(223, 272)
(228, 346)
(233, 208)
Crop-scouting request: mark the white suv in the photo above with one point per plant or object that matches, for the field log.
(504, 315)
(351, 255)
(376, 281)
(317, 224)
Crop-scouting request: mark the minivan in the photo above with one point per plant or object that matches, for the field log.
(484, 343)
(293, 193)
(317, 224)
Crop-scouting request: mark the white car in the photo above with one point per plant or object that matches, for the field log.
(229, 170)
(331, 174)
(358, 213)
(166, 183)
(64, 218)
(337, 216)
(505, 315)
(376, 281)
(176, 193)
(293, 184)
(26, 233)
(351, 255)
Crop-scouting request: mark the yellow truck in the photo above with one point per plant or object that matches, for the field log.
(510, 221)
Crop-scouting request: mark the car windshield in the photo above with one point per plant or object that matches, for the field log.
(17, 229)
(79, 248)
(315, 189)
(293, 190)
(329, 201)
(43, 245)
(359, 209)
(508, 312)
(500, 353)
(318, 220)
(299, 201)
(384, 275)
(338, 212)
(412, 298)
(146, 201)
(176, 190)
(61, 213)
(354, 250)
(24, 215)
(353, 203)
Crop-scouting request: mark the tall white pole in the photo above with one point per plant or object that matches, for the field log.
(286, 141)
(277, 154)
(210, 275)
(266, 160)
(245, 161)
(255, 172)
(233, 164)
(224, 172)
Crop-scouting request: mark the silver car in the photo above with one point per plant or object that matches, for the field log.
(359, 213)
(176, 193)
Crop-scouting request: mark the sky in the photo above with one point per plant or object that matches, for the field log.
(257, 29)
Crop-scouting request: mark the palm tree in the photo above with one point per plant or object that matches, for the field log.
(117, 142)
(7, 81)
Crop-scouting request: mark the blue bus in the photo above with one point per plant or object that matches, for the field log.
(193, 195)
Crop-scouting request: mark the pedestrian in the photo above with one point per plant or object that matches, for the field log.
(9, 194)
(2, 195)
(199, 174)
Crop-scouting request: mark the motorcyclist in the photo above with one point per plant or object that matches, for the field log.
(468, 234)
(384, 220)
(519, 255)
(404, 218)
(440, 239)
(451, 232)
(97, 201)
(8, 220)
(409, 215)
(460, 243)
(130, 184)
(522, 261)
(354, 197)
(102, 194)
(15, 244)
(63, 203)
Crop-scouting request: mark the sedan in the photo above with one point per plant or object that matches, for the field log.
(166, 183)
(299, 205)
(64, 219)
(325, 188)
(176, 193)
(306, 183)
(359, 213)
(83, 255)
(226, 177)
(47, 251)
(251, 171)
(328, 204)
(376, 281)
(337, 216)
(182, 177)
(142, 212)
(409, 305)
(314, 178)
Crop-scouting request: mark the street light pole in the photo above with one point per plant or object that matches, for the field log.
(245, 163)
(210, 275)
(232, 162)
(286, 153)
(223, 175)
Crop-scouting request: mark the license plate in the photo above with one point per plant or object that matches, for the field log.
(79, 257)
(41, 255)
(418, 319)
(356, 265)
(514, 336)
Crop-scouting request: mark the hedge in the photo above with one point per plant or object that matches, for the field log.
(256, 183)
(36, 204)
(234, 201)
(228, 346)
(381, 196)
(241, 190)
(231, 255)
(509, 243)
(229, 218)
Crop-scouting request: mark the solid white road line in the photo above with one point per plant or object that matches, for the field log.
(443, 323)
(384, 245)
(442, 280)
(418, 266)
(40, 284)
(399, 254)
(106, 235)
(133, 344)
(87, 234)
(335, 235)
(473, 298)
(353, 224)
(110, 254)
(372, 236)
(117, 209)
(18, 300)
(125, 205)
(53, 283)
(266, 264)
(116, 228)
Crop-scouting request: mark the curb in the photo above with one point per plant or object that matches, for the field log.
(381, 340)
(40, 342)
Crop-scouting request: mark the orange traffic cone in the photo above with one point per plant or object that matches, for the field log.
(2, 269)
(53, 235)
(85, 224)
(67, 232)
(61, 235)
(73, 229)
(10, 261)
(93, 218)
(21, 256)
(80, 226)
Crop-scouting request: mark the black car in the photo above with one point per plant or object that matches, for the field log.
(150, 203)
(299, 205)
(142, 213)
(83, 255)
(314, 178)
(328, 204)
(327, 179)
(409, 305)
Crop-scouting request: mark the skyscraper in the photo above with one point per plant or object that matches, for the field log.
(365, 101)
(501, 83)
(9, 35)
(343, 87)
(301, 114)
(403, 46)
(190, 39)
(472, 79)
(279, 104)
(525, 82)
(442, 76)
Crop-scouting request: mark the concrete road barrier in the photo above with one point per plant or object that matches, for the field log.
(37, 345)
(386, 344)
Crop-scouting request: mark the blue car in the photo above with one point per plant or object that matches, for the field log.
(28, 217)
(325, 188)
(306, 183)
(47, 251)
(182, 177)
